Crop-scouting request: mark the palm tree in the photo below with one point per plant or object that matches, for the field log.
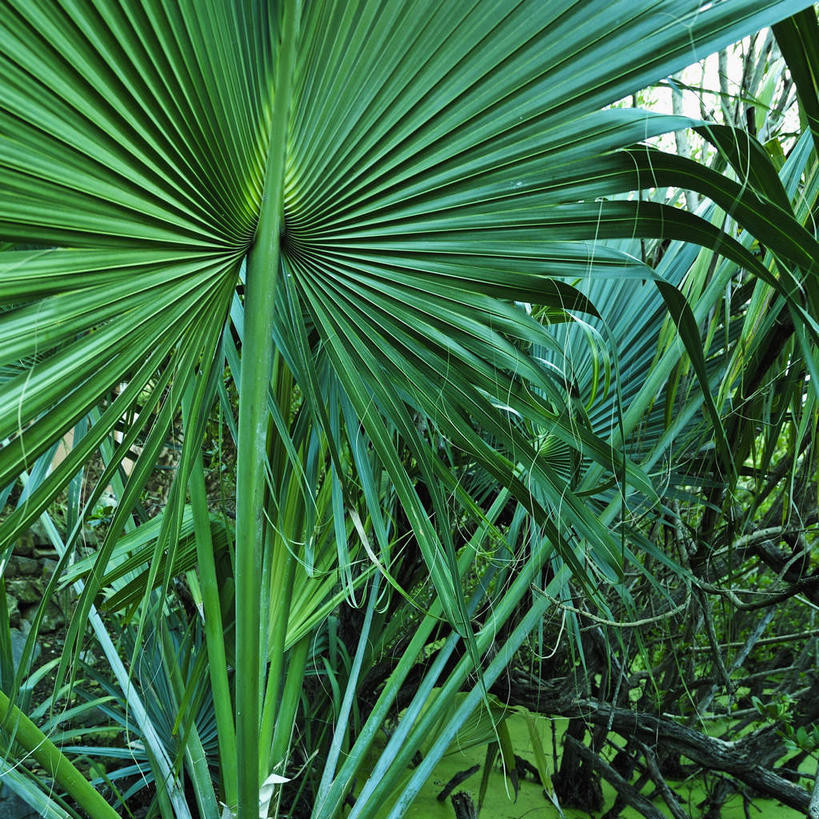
(348, 207)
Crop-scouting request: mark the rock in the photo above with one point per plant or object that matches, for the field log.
(18, 641)
(47, 567)
(38, 532)
(19, 565)
(25, 590)
(25, 544)
(53, 619)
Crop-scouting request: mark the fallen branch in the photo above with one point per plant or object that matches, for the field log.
(630, 794)
(735, 758)
(749, 759)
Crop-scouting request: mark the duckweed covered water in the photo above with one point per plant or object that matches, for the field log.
(532, 804)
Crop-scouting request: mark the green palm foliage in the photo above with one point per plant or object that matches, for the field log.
(367, 216)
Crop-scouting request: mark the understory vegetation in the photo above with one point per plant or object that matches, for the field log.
(409, 408)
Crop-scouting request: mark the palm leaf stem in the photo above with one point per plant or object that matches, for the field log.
(214, 635)
(262, 273)
(658, 375)
(291, 695)
(172, 791)
(332, 800)
(195, 757)
(55, 763)
(500, 661)
(279, 579)
(343, 720)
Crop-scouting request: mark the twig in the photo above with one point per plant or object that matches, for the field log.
(774, 533)
(712, 639)
(765, 641)
(657, 778)
(455, 781)
(752, 640)
(615, 623)
(770, 599)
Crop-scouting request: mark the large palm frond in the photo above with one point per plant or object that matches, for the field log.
(401, 175)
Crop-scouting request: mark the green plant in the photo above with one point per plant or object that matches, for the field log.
(349, 206)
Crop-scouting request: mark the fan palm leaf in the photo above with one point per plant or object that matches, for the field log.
(396, 176)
